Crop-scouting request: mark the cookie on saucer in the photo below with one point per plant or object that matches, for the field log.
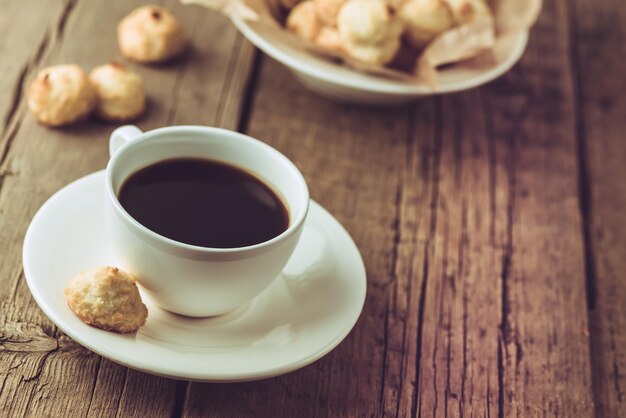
(107, 298)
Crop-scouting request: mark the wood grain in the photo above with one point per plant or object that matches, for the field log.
(599, 37)
(496, 306)
(456, 267)
(545, 346)
(40, 366)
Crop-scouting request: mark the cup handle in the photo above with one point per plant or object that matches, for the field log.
(121, 136)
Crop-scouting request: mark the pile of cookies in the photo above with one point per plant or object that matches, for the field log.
(372, 31)
(63, 94)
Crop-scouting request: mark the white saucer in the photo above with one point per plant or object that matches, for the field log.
(304, 314)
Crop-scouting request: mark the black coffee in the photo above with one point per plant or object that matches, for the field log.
(205, 203)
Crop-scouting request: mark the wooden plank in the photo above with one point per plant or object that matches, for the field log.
(599, 38)
(352, 160)
(405, 296)
(24, 36)
(27, 339)
(446, 327)
(545, 346)
(38, 376)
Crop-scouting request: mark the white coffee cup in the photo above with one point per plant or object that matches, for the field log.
(184, 278)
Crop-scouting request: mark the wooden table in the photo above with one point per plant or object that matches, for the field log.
(492, 223)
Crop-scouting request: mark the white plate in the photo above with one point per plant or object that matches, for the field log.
(343, 84)
(304, 314)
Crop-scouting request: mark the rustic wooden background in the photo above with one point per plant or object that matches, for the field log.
(492, 224)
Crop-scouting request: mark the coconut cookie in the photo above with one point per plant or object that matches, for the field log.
(425, 20)
(468, 10)
(370, 30)
(107, 298)
(304, 22)
(329, 39)
(151, 34)
(61, 95)
(121, 95)
(327, 10)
